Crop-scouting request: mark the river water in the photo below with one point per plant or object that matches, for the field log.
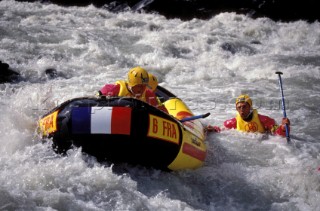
(207, 63)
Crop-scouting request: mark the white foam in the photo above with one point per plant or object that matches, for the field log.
(207, 63)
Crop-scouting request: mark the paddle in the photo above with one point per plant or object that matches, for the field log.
(283, 105)
(195, 117)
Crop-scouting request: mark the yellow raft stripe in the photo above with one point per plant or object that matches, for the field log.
(48, 124)
(163, 129)
(193, 151)
(196, 128)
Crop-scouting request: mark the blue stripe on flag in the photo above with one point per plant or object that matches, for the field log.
(81, 120)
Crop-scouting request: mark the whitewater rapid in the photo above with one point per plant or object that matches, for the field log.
(207, 63)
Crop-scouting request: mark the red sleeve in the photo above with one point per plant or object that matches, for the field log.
(280, 132)
(110, 90)
(230, 123)
(152, 99)
(267, 122)
(271, 126)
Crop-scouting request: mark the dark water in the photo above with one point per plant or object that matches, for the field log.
(278, 10)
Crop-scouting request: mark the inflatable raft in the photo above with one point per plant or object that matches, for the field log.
(128, 130)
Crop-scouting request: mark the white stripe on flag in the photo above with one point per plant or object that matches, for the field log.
(101, 120)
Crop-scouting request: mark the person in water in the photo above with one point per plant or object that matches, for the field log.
(248, 120)
(135, 86)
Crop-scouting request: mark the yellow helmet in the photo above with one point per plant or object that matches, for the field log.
(244, 98)
(153, 82)
(137, 75)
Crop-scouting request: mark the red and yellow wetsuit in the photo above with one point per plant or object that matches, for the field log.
(258, 123)
(121, 89)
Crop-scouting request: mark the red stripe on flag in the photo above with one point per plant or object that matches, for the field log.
(121, 120)
(194, 151)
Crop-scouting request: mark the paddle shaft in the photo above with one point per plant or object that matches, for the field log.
(283, 105)
(195, 117)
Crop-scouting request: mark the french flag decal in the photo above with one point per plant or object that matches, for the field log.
(101, 120)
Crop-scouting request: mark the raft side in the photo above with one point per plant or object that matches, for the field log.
(193, 151)
(116, 130)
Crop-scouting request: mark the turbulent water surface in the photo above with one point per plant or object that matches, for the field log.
(207, 63)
